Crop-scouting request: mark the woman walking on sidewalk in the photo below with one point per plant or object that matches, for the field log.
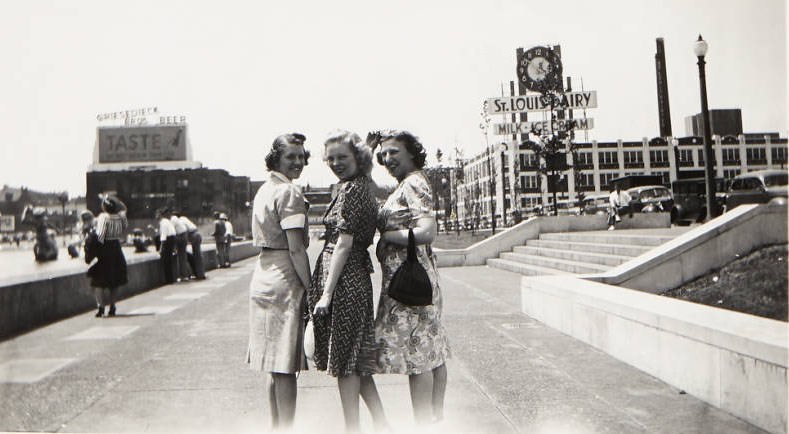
(341, 297)
(281, 278)
(103, 243)
(410, 339)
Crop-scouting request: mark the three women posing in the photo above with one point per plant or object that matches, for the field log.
(350, 343)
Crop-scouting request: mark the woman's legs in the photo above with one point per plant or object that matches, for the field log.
(421, 387)
(439, 391)
(284, 398)
(349, 386)
(111, 297)
(427, 394)
(272, 402)
(98, 294)
(373, 401)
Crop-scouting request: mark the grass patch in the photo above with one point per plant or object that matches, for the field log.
(755, 283)
(454, 240)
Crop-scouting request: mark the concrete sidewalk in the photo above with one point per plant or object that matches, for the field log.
(173, 362)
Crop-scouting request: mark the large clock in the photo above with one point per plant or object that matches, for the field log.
(540, 69)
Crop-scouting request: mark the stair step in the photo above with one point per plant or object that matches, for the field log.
(525, 269)
(606, 238)
(574, 267)
(577, 256)
(609, 249)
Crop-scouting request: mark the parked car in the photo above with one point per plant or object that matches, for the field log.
(690, 199)
(595, 204)
(650, 198)
(756, 187)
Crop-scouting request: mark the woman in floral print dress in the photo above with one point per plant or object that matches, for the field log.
(411, 340)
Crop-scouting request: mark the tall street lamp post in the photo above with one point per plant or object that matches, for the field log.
(700, 49)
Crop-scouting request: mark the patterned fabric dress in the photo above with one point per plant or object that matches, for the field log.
(410, 340)
(344, 339)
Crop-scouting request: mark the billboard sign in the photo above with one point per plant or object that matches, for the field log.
(149, 143)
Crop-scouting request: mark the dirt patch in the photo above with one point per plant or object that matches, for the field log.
(755, 283)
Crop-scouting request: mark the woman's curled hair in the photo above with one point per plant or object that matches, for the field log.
(361, 152)
(279, 145)
(410, 141)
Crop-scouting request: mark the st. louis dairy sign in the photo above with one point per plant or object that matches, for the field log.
(537, 103)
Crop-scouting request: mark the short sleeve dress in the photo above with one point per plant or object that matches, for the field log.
(344, 338)
(410, 340)
(276, 295)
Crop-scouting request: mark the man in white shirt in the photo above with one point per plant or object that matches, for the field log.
(167, 243)
(617, 200)
(180, 247)
(228, 239)
(195, 239)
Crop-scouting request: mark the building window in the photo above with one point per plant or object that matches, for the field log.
(605, 180)
(701, 157)
(731, 156)
(756, 156)
(584, 159)
(182, 184)
(779, 155)
(608, 159)
(685, 157)
(633, 159)
(730, 173)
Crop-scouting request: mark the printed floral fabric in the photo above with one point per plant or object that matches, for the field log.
(344, 339)
(410, 340)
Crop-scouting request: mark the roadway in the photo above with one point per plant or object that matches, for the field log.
(173, 361)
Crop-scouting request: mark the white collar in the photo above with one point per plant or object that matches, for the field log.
(280, 176)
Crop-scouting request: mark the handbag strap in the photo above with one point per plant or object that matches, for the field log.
(411, 246)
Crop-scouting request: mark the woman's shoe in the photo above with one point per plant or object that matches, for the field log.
(112, 310)
(100, 313)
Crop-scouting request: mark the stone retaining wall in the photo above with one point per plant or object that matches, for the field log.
(26, 305)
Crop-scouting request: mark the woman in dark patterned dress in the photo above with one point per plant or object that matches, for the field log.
(410, 339)
(341, 298)
(104, 243)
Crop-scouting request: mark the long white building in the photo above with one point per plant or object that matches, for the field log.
(524, 188)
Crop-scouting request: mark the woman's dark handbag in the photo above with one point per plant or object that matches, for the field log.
(410, 284)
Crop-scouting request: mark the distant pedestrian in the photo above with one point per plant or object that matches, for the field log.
(167, 240)
(219, 239)
(228, 238)
(138, 241)
(181, 240)
(104, 244)
(618, 201)
(281, 278)
(195, 239)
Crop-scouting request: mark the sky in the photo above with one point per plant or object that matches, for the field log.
(243, 72)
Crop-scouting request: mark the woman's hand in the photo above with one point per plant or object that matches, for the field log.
(323, 305)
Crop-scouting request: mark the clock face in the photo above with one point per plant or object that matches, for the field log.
(540, 69)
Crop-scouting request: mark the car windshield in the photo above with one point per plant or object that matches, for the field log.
(775, 180)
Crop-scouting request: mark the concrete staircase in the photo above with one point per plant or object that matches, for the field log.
(577, 252)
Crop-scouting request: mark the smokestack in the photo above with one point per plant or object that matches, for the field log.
(664, 113)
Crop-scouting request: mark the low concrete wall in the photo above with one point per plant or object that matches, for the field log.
(33, 303)
(734, 361)
(530, 229)
(702, 249)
